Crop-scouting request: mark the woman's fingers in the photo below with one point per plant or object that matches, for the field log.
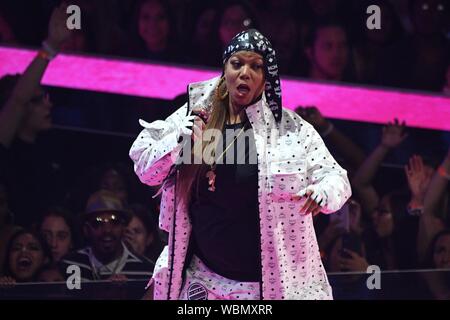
(307, 202)
(310, 206)
(316, 211)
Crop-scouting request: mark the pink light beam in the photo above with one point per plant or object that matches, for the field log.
(166, 82)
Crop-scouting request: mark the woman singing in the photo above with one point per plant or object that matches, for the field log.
(239, 218)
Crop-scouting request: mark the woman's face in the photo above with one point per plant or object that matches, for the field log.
(382, 218)
(38, 117)
(441, 253)
(244, 76)
(58, 236)
(330, 51)
(137, 236)
(234, 20)
(154, 25)
(26, 257)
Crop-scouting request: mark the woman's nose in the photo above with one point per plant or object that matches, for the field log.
(245, 71)
(53, 243)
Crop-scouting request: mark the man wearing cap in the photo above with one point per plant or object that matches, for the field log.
(106, 257)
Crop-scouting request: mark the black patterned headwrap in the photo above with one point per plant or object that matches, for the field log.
(253, 40)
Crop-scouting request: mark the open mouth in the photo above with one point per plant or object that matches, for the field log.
(24, 263)
(243, 89)
(108, 240)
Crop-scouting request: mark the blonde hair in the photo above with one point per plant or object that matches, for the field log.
(192, 173)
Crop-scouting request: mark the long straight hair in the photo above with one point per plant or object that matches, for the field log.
(190, 174)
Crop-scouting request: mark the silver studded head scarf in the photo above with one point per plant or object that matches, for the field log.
(253, 40)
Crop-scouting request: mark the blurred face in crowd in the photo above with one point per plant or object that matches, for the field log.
(204, 25)
(114, 182)
(105, 231)
(329, 54)
(50, 275)
(26, 257)
(38, 117)
(234, 20)
(244, 76)
(441, 252)
(383, 219)
(323, 7)
(154, 25)
(58, 236)
(138, 236)
(429, 16)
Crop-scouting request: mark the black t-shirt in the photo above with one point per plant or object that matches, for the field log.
(226, 231)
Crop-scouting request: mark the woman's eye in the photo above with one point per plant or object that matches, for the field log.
(236, 64)
(34, 247)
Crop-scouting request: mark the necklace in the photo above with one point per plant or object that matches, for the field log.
(211, 175)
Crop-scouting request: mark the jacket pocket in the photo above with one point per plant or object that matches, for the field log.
(287, 177)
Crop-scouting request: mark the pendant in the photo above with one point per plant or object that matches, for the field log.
(211, 180)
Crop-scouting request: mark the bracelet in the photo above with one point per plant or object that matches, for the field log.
(52, 53)
(443, 173)
(327, 131)
(44, 55)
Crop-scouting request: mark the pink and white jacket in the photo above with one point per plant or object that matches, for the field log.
(291, 159)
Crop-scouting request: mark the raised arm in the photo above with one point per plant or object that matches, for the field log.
(429, 223)
(392, 136)
(352, 153)
(158, 145)
(437, 186)
(14, 109)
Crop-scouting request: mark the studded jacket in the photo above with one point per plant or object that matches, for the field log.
(291, 157)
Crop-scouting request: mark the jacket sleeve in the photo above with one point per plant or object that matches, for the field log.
(327, 179)
(157, 146)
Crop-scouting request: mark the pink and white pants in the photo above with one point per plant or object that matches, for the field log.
(203, 284)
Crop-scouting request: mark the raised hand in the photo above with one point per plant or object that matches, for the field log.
(58, 32)
(393, 134)
(314, 117)
(418, 176)
(354, 262)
